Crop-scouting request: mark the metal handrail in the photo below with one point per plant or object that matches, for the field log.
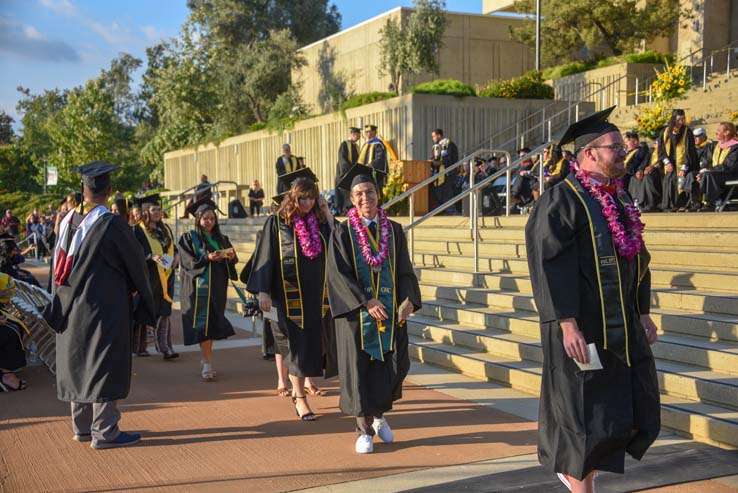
(183, 198)
(27, 239)
(472, 192)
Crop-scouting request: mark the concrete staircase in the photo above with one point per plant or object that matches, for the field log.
(485, 325)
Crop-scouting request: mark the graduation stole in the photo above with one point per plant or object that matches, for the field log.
(291, 274)
(291, 164)
(156, 249)
(376, 340)
(719, 154)
(202, 283)
(607, 268)
(351, 148)
(680, 147)
(557, 167)
(366, 156)
(630, 155)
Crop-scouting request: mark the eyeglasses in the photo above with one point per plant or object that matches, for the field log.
(612, 147)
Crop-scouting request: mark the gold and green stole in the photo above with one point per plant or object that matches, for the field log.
(156, 249)
(609, 276)
(290, 272)
(376, 339)
(202, 284)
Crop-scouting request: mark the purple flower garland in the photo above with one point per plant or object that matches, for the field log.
(374, 261)
(628, 244)
(308, 235)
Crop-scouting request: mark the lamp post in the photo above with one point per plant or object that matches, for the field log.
(538, 35)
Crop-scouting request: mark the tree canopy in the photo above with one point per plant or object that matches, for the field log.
(581, 29)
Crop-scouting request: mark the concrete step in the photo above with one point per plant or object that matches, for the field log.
(720, 356)
(679, 380)
(711, 326)
(700, 421)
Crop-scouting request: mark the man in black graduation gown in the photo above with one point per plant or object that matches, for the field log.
(678, 156)
(98, 265)
(348, 154)
(724, 167)
(369, 307)
(587, 292)
(286, 163)
(444, 154)
(374, 154)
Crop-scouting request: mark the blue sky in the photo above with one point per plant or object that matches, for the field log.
(61, 43)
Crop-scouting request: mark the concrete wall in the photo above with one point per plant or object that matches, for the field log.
(619, 81)
(477, 48)
(405, 121)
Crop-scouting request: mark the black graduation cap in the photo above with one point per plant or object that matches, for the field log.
(287, 178)
(153, 199)
(277, 199)
(373, 128)
(96, 175)
(359, 173)
(201, 205)
(588, 129)
(354, 130)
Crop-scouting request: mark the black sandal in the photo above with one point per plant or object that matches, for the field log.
(4, 387)
(305, 417)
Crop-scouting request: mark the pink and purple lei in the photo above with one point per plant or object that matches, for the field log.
(308, 234)
(628, 244)
(374, 261)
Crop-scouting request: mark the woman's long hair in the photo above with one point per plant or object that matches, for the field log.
(301, 188)
(215, 234)
(146, 220)
(672, 122)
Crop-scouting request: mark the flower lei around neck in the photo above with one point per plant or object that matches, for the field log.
(308, 234)
(362, 235)
(628, 244)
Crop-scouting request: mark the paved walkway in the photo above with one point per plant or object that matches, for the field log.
(236, 435)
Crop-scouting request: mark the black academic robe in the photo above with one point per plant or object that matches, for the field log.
(282, 169)
(447, 154)
(712, 183)
(368, 387)
(633, 162)
(671, 198)
(375, 150)
(308, 351)
(193, 266)
(163, 308)
(587, 420)
(348, 154)
(93, 313)
(12, 355)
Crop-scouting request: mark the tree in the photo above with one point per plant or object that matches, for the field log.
(412, 46)
(117, 81)
(579, 28)
(6, 128)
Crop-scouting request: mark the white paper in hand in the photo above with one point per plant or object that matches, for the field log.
(403, 306)
(166, 261)
(594, 359)
(272, 315)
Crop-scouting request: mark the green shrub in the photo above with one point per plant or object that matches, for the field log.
(528, 86)
(370, 97)
(567, 69)
(254, 127)
(448, 87)
(649, 57)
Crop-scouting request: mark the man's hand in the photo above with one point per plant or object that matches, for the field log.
(265, 302)
(405, 314)
(574, 342)
(648, 170)
(376, 309)
(214, 256)
(650, 328)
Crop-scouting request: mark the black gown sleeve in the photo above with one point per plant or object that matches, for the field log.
(662, 150)
(553, 258)
(141, 237)
(132, 257)
(261, 278)
(692, 163)
(407, 281)
(193, 263)
(345, 293)
(644, 294)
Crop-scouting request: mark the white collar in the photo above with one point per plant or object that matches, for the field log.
(367, 222)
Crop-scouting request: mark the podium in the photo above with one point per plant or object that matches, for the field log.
(413, 172)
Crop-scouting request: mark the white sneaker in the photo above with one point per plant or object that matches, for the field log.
(364, 444)
(382, 428)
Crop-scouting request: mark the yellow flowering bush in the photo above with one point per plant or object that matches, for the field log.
(393, 187)
(652, 119)
(672, 83)
(734, 117)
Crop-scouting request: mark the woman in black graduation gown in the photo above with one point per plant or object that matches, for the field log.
(289, 269)
(12, 356)
(158, 244)
(208, 261)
